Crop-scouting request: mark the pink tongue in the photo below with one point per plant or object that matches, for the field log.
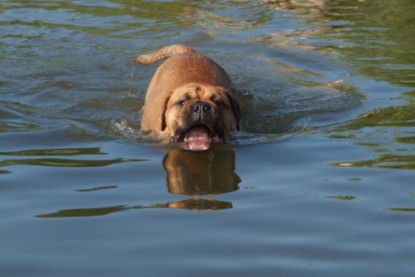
(198, 139)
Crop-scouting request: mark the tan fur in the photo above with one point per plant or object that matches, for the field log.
(183, 72)
(177, 116)
(162, 53)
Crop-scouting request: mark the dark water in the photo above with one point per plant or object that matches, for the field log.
(320, 182)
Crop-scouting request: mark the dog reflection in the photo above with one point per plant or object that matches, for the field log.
(201, 173)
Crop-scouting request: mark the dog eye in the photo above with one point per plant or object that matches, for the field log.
(218, 102)
(182, 102)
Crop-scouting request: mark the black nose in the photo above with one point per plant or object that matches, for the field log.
(200, 107)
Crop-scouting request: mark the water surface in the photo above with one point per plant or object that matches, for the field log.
(320, 181)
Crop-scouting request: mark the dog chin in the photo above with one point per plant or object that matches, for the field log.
(197, 138)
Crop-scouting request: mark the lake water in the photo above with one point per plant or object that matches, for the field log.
(321, 181)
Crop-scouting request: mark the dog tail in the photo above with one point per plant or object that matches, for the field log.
(168, 51)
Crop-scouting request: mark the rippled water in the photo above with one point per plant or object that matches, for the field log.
(320, 180)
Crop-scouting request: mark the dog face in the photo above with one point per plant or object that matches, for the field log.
(198, 115)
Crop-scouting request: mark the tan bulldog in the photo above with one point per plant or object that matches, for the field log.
(190, 99)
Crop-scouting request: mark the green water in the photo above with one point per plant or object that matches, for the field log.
(319, 182)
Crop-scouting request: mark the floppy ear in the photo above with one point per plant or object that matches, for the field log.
(235, 108)
(163, 116)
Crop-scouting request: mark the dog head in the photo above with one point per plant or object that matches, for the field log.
(198, 115)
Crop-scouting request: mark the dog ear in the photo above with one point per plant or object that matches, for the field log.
(163, 118)
(235, 107)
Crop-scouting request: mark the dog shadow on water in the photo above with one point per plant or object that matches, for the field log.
(194, 174)
(201, 173)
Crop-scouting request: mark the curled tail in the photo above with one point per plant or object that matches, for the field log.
(168, 51)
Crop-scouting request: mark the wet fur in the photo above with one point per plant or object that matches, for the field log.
(184, 73)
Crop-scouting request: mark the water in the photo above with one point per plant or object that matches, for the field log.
(320, 181)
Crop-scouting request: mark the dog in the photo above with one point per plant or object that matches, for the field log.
(190, 99)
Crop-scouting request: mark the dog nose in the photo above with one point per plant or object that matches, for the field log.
(200, 107)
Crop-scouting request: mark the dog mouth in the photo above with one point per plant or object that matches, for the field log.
(197, 138)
